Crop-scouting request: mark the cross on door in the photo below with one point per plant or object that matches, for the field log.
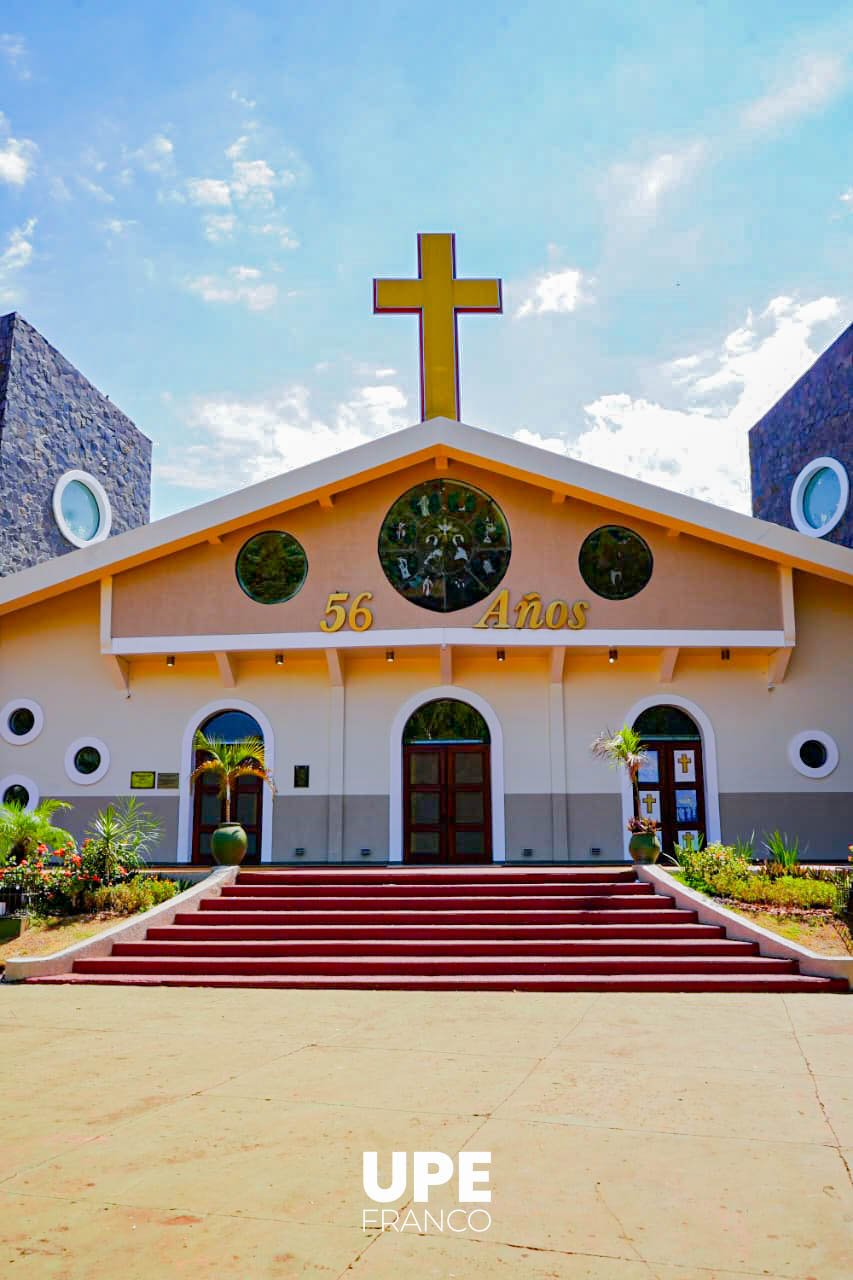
(684, 761)
(649, 802)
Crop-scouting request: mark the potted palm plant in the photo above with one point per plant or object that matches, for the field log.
(228, 762)
(624, 749)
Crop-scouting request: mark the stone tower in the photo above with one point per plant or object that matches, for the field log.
(801, 451)
(73, 468)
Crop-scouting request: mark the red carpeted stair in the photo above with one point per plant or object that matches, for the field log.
(490, 929)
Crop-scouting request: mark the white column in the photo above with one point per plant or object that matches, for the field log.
(557, 752)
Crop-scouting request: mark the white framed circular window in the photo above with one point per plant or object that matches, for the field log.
(21, 720)
(81, 508)
(813, 753)
(15, 788)
(87, 760)
(819, 497)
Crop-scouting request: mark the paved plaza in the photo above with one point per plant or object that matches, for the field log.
(219, 1133)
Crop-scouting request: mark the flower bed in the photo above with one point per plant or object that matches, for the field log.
(726, 871)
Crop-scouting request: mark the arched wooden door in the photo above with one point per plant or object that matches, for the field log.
(672, 782)
(447, 785)
(247, 797)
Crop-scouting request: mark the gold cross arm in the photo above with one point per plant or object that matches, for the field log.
(437, 297)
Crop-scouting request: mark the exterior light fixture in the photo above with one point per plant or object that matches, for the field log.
(726, 655)
(279, 659)
(389, 655)
(612, 656)
(501, 655)
(170, 660)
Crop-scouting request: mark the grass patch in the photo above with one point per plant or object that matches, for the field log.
(49, 934)
(820, 931)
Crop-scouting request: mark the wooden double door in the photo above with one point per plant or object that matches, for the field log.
(672, 791)
(247, 800)
(447, 803)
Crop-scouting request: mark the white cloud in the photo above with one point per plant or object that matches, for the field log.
(241, 285)
(286, 239)
(237, 148)
(209, 191)
(812, 83)
(248, 103)
(554, 291)
(847, 197)
(14, 49)
(59, 190)
(700, 448)
(637, 189)
(17, 254)
(385, 373)
(98, 193)
(17, 156)
(219, 226)
(238, 442)
(254, 179)
(157, 155)
(117, 227)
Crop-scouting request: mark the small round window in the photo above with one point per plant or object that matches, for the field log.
(271, 567)
(813, 753)
(87, 760)
(819, 497)
(16, 789)
(615, 563)
(81, 508)
(21, 720)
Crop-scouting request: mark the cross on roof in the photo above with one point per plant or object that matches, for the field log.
(437, 297)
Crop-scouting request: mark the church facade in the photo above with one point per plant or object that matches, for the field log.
(428, 632)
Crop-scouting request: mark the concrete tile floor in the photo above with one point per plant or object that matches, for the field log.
(159, 1132)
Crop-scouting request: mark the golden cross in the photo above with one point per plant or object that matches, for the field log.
(438, 298)
(684, 761)
(649, 802)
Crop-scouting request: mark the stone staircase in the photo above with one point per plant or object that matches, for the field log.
(443, 929)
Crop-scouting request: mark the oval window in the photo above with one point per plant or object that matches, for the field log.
(819, 496)
(21, 721)
(615, 563)
(813, 753)
(444, 545)
(81, 508)
(87, 760)
(271, 567)
(17, 794)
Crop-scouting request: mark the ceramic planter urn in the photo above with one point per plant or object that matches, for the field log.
(228, 844)
(644, 847)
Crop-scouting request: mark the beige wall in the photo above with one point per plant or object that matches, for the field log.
(696, 584)
(50, 652)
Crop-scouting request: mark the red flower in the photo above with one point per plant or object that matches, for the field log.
(122, 871)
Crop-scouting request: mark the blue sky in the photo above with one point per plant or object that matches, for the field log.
(194, 200)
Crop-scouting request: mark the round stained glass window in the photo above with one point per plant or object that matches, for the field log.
(87, 760)
(821, 497)
(444, 545)
(80, 510)
(16, 794)
(615, 563)
(21, 721)
(271, 567)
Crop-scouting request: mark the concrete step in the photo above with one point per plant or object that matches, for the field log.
(456, 948)
(779, 984)
(438, 875)
(666, 915)
(393, 889)
(199, 929)
(458, 902)
(447, 966)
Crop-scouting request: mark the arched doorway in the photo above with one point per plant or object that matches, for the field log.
(230, 725)
(672, 782)
(446, 784)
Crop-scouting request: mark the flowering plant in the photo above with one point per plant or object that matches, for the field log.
(643, 826)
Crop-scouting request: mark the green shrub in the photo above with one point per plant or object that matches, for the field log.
(786, 891)
(783, 855)
(715, 869)
(140, 893)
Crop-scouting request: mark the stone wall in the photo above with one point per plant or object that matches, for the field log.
(53, 420)
(812, 420)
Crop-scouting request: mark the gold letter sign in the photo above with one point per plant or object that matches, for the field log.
(528, 613)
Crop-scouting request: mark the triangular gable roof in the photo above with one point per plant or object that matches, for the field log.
(439, 437)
